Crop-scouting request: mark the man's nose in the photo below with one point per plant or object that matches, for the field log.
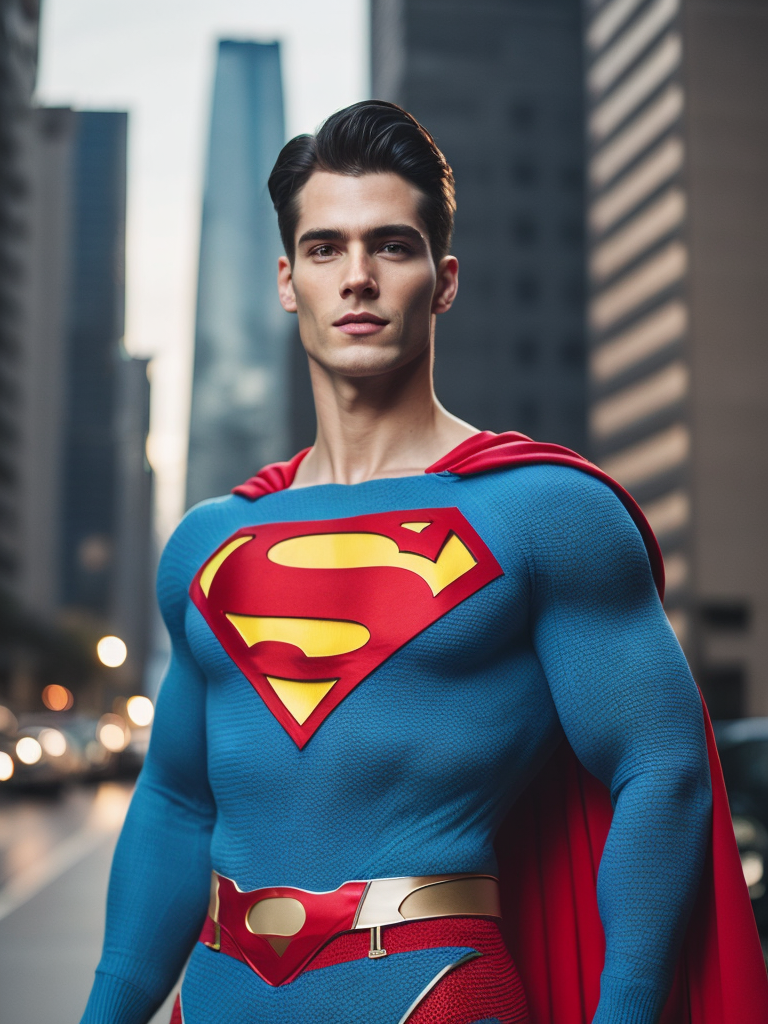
(359, 278)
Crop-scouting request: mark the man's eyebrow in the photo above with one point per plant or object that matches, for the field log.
(372, 234)
(322, 235)
(389, 230)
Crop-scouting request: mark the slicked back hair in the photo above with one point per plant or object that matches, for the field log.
(371, 137)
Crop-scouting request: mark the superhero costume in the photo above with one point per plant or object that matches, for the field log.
(414, 769)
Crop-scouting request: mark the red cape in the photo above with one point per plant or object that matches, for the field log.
(550, 846)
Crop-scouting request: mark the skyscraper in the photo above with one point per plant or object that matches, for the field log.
(95, 330)
(639, 314)
(239, 418)
(84, 483)
(499, 85)
(18, 67)
(677, 127)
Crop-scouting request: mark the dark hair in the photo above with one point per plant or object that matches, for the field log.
(367, 138)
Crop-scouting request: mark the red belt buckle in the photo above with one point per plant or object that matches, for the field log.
(276, 931)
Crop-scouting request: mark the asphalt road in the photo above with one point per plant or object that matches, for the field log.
(55, 856)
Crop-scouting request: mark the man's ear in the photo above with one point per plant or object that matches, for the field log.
(446, 285)
(285, 285)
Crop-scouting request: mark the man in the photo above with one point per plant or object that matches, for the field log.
(376, 648)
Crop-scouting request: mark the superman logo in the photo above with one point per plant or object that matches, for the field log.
(307, 610)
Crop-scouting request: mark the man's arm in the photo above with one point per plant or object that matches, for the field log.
(632, 714)
(158, 890)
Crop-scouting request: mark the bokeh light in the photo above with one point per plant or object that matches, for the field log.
(53, 742)
(753, 867)
(95, 752)
(28, 750)
(113, 733)
(140, 710)
(57, 698)
(6, 766)
(8, 721)
(112, 651)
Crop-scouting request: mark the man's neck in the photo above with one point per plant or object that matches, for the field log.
(374, 427)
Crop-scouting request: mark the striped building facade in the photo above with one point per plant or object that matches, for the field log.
(678, 278)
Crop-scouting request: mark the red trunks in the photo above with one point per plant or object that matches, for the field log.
(485, 987)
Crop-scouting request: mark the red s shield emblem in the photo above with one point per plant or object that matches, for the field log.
(307, 610)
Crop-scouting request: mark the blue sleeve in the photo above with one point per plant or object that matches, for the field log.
(158, 890)
(632, 713)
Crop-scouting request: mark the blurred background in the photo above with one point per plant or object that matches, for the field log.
(611, 159)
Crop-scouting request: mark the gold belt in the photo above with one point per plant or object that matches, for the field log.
(292, 924)
(414, 898)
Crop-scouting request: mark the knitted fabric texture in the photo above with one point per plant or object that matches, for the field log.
(414, 771)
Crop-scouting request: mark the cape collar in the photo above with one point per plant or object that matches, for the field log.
(484, 453)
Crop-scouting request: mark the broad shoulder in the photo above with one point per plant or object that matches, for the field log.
(561, 512)
(556, 492)
(201, 531)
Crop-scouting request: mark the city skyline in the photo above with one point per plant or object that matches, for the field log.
(102, 56)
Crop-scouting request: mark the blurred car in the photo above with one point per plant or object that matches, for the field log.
(39, 756)
(743, 748)
(47, 750)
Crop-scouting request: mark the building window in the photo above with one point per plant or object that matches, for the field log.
(525, 231)
(572, 354)
(724, 690)
(8, 516)
(571, 178)
(9, 562)
(573, 293)
(726, 615)
(525, 174)
(527, 351)
(522, 116)
(527, 289)
(572, 232)
(529, 416)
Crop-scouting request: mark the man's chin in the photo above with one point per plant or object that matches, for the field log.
(361, 361)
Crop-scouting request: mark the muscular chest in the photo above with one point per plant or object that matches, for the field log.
(307, 611)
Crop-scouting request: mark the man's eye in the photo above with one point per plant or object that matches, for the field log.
(323, 250)
(394, 248)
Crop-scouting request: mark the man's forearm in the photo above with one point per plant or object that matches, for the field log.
(647, 883)
(158, 895)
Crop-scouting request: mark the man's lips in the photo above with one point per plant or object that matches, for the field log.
(360, 323)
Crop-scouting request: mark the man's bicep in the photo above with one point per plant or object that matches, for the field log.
(177, 758)
(176, 763)
(618, 677)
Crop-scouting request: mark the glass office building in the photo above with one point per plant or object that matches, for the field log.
(95, 329)
(499, 85)
(240, 400)
(18, 67)
(86, 535)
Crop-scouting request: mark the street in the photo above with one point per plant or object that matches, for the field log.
(55, 855)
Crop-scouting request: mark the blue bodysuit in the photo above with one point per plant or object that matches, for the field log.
(413, 771)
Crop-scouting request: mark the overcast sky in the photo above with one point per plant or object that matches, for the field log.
(155, 58)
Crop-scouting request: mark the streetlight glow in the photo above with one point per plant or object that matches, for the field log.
(53, 742)
(57, 698)
(113, 733)
(140, 710)
(112, 651)
(28, 750)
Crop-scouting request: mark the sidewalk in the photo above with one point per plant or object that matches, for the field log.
(50, 945)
